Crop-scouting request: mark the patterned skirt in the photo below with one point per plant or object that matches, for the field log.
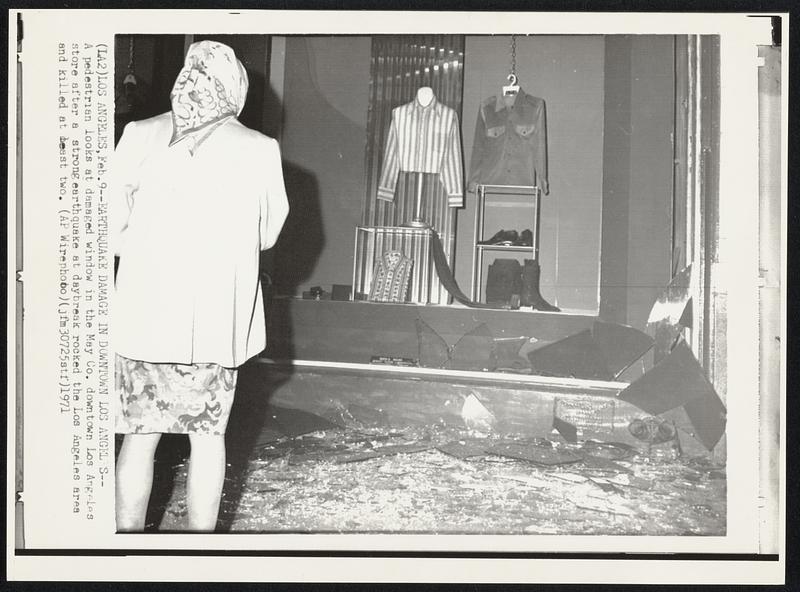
(173, 398)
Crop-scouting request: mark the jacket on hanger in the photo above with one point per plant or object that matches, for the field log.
(423, 139)
(510, 143)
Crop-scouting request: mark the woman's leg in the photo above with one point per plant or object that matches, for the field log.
(134, 480)
(204, 482)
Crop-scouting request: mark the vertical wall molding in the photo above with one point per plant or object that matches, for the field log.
(680, 154)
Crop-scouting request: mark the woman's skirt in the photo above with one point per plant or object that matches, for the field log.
(173, 398)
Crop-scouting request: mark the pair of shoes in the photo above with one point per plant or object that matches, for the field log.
(503, 237)
(508, 238)
(510, 285)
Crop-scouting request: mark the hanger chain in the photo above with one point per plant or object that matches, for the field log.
(130, 55)
(513, 54)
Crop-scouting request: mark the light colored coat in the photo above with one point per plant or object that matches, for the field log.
(189, 230)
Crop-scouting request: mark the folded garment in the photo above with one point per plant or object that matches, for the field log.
(503, 281)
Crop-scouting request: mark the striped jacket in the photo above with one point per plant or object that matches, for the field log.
(424, 139)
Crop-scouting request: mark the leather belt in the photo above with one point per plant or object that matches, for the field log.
(446, 276)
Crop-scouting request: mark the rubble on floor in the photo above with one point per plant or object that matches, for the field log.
(444, 479)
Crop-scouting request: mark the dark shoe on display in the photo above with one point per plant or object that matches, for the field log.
(525, 239)
(503, 237)
(530, 288)
(316, 293)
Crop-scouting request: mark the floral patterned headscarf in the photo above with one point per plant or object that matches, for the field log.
(210, 90)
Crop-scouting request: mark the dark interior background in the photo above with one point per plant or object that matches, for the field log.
(606, 225)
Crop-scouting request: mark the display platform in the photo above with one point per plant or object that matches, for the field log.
(526, 406)
(318, 361)
(355, 332)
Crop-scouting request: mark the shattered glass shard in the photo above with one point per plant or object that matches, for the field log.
(368, 416)
(467, 449)
(295, 422)
(566, 429)
(383, 451)
(576, 356)
(535, 454)
(708, 416)
(433, 350)
(475, 415)
(675, 381)
(609, 450)
(603, 464)
(679, 380)
(620, 345)
(670, 313)
(474, 351)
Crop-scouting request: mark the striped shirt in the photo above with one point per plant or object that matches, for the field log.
(424, 139)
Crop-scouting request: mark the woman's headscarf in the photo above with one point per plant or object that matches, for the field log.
(210, 89)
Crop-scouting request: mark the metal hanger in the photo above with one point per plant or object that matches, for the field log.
(512, 88)
(128, 96)
(130, 77)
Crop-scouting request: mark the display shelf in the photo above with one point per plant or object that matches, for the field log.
(484, 194)
(504, 248)
(510, 189)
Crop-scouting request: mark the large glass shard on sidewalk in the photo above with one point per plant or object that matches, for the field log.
(280, 422)
(708, 416)
(679, 380)
(536, 454)
(467, 448)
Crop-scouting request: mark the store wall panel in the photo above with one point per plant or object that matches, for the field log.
(567, 72)
(616, 180)
(638, 172)
(652, 116)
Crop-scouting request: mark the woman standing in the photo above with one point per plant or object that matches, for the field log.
(196, 196)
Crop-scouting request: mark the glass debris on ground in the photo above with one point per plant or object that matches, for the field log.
(446, 480)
